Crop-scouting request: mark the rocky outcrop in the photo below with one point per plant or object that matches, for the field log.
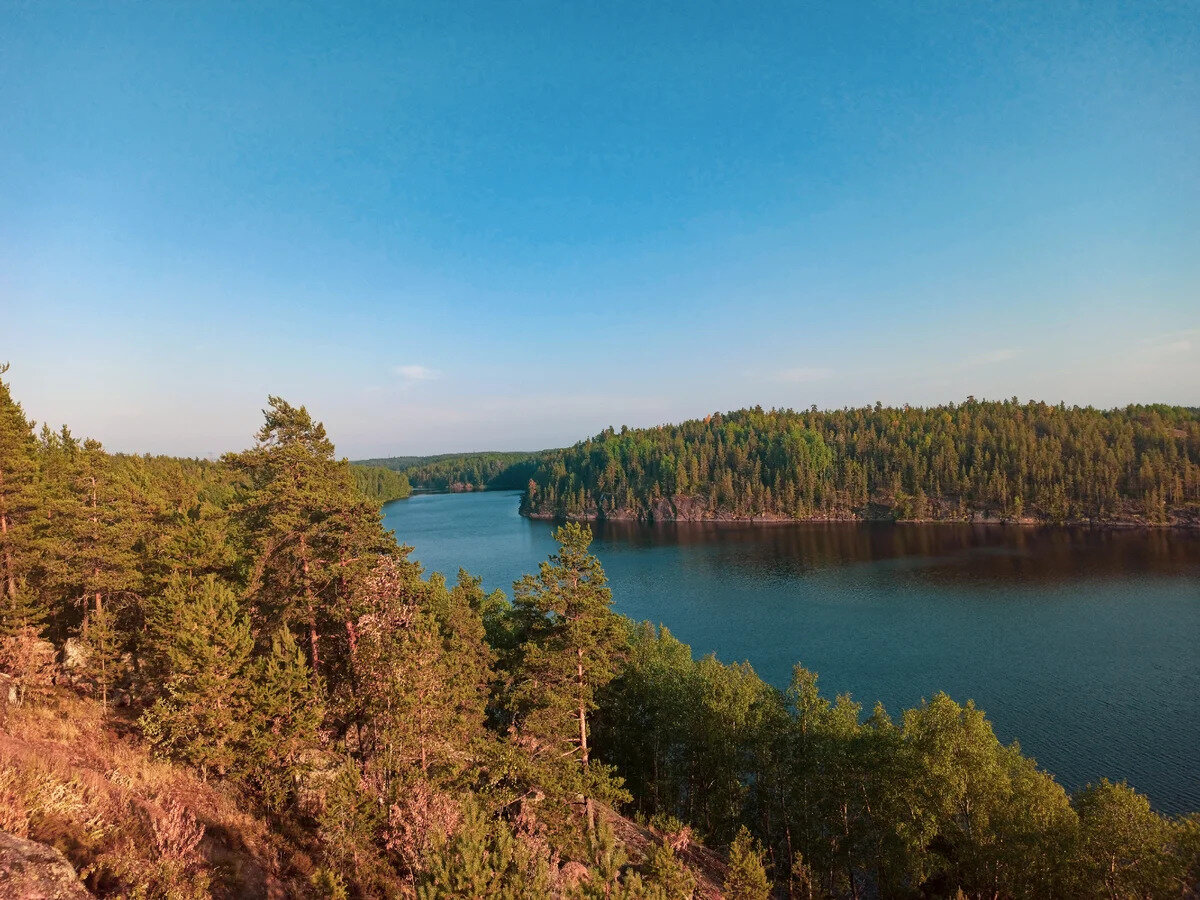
(74, 661)
(33, 871)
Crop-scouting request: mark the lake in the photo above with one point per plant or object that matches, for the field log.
(1082, 644)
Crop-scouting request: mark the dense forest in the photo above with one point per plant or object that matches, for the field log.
(483, 471)
(380, 484)
(974, 460)
(226, 679)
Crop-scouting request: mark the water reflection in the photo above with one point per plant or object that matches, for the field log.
(936, 552)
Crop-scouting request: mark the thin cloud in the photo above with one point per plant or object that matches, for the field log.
(416, 373)
(1179, 341)
(803, 375)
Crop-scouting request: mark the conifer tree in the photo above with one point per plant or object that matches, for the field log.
(572, 647)
(420, 702)
(106, 660)
(667, 876)
(485, 859)
(87, 532)
(284, 715)
(18, 499)
(310, 533)
(202, 719)
(22, 610)
(24, 654)
(746, 878)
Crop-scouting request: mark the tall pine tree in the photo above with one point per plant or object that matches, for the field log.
(309, 531)
(573, 642)
(18, 497)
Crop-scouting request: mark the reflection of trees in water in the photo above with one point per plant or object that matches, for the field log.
(933, 552)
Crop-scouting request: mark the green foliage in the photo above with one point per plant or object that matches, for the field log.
(25, 656)
(420, 680)
(21, 610)
(18, 494)
(1125, 848)
(202, 716)
(667, 876)
(284, 716)
(107, 663)
(1006, 460)
(329, 885)
(309, 534)
(571, 649)
(484, 858)
(486, 471)
(380, 485)
(746, 878)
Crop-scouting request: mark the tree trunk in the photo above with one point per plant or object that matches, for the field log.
(583, 741)
(10, 577)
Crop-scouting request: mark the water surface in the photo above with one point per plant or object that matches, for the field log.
(1084, 645)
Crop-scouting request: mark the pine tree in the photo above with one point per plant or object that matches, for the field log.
(18, 469)
(21, 610)
(485, 859)
(106, 660)
(202, 719)
(419, 698)
(572, 647)
(311, 533)
(746, 879)
(666, 872)
(284, 715)
(86, 534)
(24, 654)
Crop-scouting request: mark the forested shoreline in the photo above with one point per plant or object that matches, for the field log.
(460, 472)
(975, 461)
(381, 484)
(227, 679)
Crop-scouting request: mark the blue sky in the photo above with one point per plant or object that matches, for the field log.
(453, 226)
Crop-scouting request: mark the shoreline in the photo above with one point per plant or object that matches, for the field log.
(1114, 525)
(775, 519)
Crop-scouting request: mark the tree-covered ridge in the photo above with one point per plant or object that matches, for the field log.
(380, 484)
(402, 736)
(484, 471)
(974, 459)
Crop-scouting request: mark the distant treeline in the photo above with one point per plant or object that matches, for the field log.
(484, 471)
(380, 484)
(975, 459)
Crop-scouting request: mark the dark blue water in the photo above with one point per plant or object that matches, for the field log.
(1083, 645)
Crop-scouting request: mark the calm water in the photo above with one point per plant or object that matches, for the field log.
(1082, 645)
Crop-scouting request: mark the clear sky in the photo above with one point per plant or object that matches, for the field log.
(449, 225)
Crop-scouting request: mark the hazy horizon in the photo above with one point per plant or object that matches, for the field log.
(450, 228)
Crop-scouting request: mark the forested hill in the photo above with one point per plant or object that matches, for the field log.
(482, 471)
(1140, 464)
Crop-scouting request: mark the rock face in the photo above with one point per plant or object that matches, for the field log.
(74, 660)
(33, 871)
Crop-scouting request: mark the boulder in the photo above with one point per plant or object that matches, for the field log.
(74, 660)
(33, 871)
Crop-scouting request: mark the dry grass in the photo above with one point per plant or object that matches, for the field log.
(132, 825)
